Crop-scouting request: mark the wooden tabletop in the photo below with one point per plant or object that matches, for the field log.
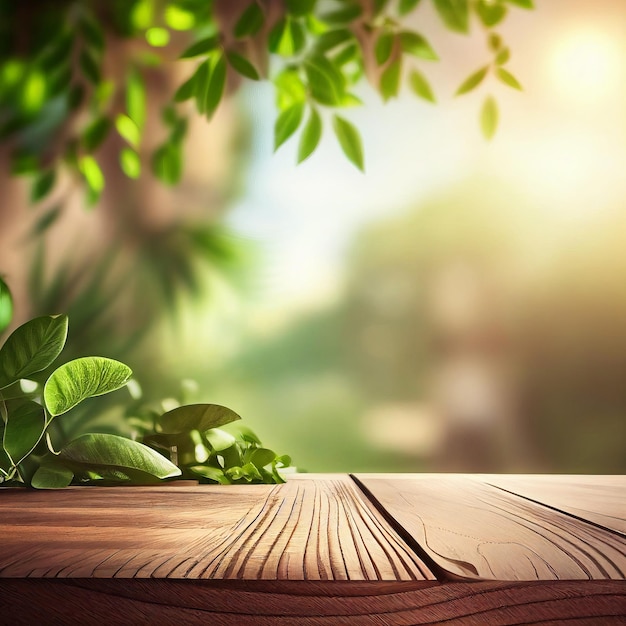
(321, 549)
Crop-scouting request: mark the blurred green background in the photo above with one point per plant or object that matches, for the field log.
(461, 306)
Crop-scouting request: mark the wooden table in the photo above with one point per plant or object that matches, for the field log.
(322, 549)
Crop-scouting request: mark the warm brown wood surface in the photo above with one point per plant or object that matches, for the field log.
(473, 530)
(315, 529)
(598, 499)
(156, 602)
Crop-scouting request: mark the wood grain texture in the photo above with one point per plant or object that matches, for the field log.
(472, 530)
(309, 603)
(599, 499)
(315, 529)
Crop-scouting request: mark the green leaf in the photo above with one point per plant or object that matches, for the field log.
(300, 8)
(32, 347)
(261, 457)
(200, 417)
(92, 173)
(310, 137)
(52, 475)
(420, 86)
(490, 12)
(383, 47)
(524, 4)
(201, 47)
(210, 84)
(96, 133)
(326, 83)
(178, 18)
(331, 39)
(89, 67)
(6, 308)
(167, 163)
(349, 140)
(242, 65)
(390, 80)
(248, 473)
(43, 185)
(211, 473)
(23, 430)
(508, 79)
(489, 117)
(287, 124)
(83, 378)
(250, 22)
(454, 13)
(186, 90)
(494, 42)
(406, 6)
(97, 451)
(130, 163)
(219, 439)
(93, 33)
(415, 44)
(350, 12)
(472, 81)
(378, 6)
(287, 37)
(503, 56)
(136, 98)
(44, 222)
(128, 130)
(157, 37)
(289, 89)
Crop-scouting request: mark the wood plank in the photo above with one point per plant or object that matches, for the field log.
(472, 530)
(318, 528)
(309, 603)
(599, 499)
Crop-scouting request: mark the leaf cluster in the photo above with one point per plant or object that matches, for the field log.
(185, 441)
(60, 84)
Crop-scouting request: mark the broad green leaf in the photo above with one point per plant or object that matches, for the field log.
(349, 140)
(420, 86)
(136, 98)
(83, 378)
(6, 309)
(212, 473)
(242, 65)
(261, 457)
(186, 90)
(310, 137)
(92, 173)
(503, 56)
(250, 22)
(524, 4)
(406, 6)
(43, 185)
(508, 79)
(128, 130)
(167, 163)
(289, 89)
(415, 44)
(96, 133)
(158, 37)
(490, 13)
(89, 67)
(200, 417)
(350, 12)
(130, 163)
(52, 475)
(93, 33)
(378, 6)
(248, 473)
(300, 7)
(178, 18)
(219, 439)
(390, 80)
(472, 81)
(201, 47)
(383, 47)
(331, 39)
(201, 452)
(326, 82)
(31, 348)
(210, 84)
(347, 54)
(350, 100)
(287, 123)
(95, 451)
(489, 117)
(23, 430)
(454, 13)
(287, 37)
